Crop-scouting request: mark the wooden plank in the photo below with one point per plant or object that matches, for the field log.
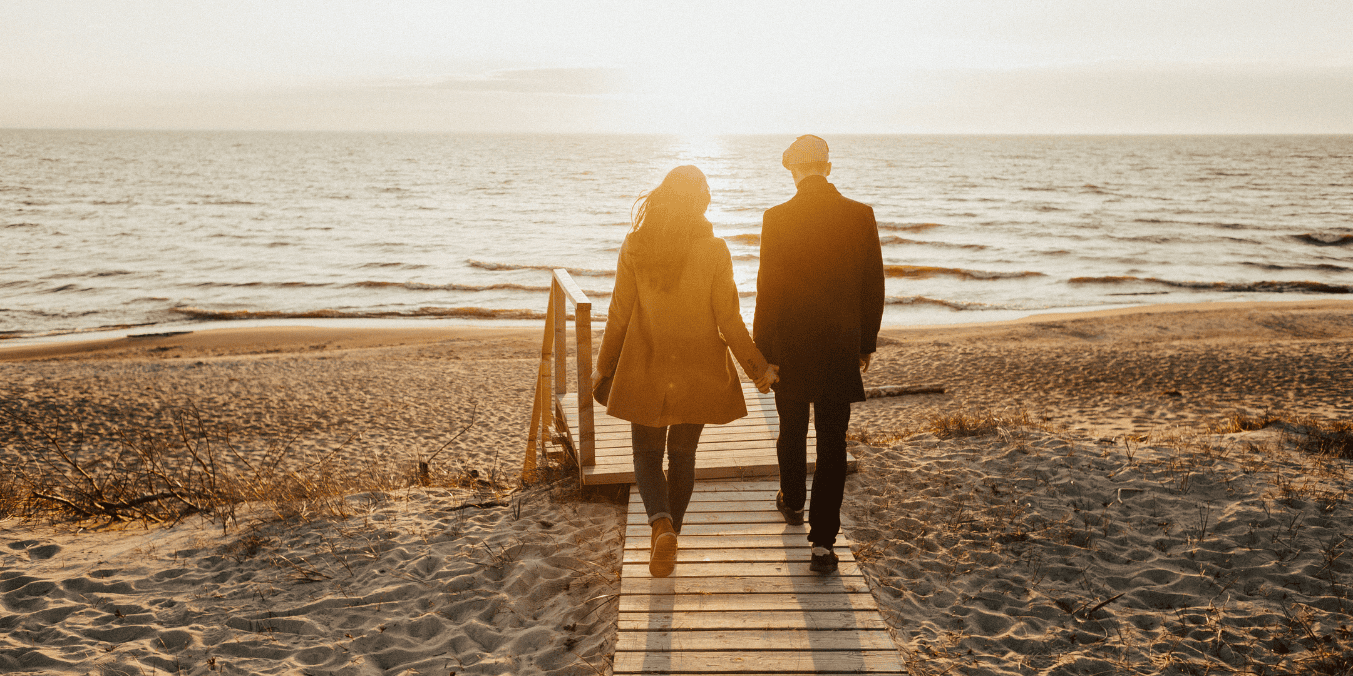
(729, 459)
(751, 619)
(772, 554)
(735, 487)
(719, 435)
(713, 515)
(759, 447)
(711, 501)
(733, 468)
(751, 661)
(569, 286)
(721, 603)
(788, 540)
(642, 530)
(618, 474)
(856, 639)
(804, 584)
(639, 570)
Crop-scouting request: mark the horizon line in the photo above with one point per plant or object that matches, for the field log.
(265, 130)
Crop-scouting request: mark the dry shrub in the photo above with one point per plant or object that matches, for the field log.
(964, 424)
(952, 426)
(880, 438)
(1307, 434)
(197, 470)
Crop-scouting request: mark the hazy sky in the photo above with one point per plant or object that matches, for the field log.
(997, 66)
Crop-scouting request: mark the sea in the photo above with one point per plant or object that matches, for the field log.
(158, 231)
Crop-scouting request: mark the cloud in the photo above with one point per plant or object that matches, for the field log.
(1133, 99)
(565, 81)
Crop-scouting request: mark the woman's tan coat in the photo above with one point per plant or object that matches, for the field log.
(669, 350)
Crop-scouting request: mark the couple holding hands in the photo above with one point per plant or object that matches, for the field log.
(674, 318)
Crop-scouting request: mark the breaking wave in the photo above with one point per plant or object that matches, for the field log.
(1236, 287)
(908, 227)
(885, 240)
(583, 272)
(926, 272)
(1325, 238)
(420, 286)
(443, 312)
(923, 300)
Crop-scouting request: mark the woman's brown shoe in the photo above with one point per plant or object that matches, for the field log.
(663, 549)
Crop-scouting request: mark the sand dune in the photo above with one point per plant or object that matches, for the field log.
(1123, 538)
(1029, 552)
(411, 585)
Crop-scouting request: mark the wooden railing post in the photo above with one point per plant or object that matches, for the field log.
(582, 327)
(552, 375)
(557, 294)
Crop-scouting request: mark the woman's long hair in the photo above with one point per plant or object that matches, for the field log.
(667, 220)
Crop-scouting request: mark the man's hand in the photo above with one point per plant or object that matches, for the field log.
(770, 377)
(864, 361)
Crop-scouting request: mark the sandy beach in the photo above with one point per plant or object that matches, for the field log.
(1107, 522)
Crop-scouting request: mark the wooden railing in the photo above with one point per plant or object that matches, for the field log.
(552, 379)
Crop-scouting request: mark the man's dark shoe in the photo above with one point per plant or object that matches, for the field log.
(792, 517)
(824, 561)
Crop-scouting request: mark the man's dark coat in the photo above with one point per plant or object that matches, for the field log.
(819, 293)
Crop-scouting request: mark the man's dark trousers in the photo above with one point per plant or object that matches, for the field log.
(831, 420)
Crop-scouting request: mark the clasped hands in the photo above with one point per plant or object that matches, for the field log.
(772, 374)
(768, 378)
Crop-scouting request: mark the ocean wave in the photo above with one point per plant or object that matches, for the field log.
(1174, 221)
(747, 238)
(6, 335)
(1230, 287)
(69, 287)
(442, 312)
(420, 286)
(1323, 267)
(912, 227)
(926, 272)
(22, 225)
(220, 203)
(1325, 238)
(885, 240)
(269, 285)
(403, 266)
(577, 272)
(923, 300)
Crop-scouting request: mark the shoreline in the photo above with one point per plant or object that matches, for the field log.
(300, 335)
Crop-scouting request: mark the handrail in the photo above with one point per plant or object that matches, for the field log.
(552, 376)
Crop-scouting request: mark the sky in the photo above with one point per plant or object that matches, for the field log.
(690, 66)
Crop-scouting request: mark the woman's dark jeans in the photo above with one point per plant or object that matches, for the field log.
(665, 494)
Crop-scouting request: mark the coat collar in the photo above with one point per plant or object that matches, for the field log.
(816, 185)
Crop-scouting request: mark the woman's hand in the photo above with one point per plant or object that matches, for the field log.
(770, 377)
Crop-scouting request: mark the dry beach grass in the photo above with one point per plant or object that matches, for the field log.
(1155, 491)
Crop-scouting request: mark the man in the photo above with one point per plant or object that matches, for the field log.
(819, 302)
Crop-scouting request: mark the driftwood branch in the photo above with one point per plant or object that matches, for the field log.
(900, 390)
(63, 501)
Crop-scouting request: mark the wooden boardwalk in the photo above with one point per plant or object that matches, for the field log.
(741, 449)
(742, 600)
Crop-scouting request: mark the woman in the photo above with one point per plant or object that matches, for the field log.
(674, 317)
